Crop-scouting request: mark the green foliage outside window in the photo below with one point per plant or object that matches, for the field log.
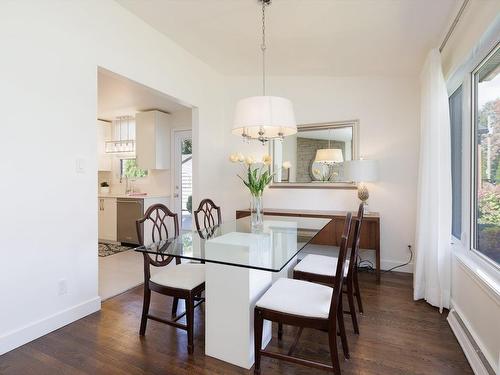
(187, 147)
(489, 206)
(131, 170)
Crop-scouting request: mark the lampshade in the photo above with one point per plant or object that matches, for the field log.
(271, 114)
(329, 155)
(361, 170)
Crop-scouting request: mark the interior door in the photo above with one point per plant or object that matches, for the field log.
(183, 177)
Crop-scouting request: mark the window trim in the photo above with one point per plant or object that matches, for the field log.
(473, 159)
(460, 75)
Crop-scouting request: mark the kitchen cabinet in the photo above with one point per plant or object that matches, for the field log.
(103, 135)
(118, 214)
(107, 219)
(152, 132)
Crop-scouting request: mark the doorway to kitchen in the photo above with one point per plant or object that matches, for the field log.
(135, 137)
(183, 177)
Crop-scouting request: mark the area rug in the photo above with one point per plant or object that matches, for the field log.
(107, 249)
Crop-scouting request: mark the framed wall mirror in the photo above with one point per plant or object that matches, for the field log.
(315, 156)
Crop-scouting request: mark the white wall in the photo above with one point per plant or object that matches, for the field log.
(388, 110)
(48, 97)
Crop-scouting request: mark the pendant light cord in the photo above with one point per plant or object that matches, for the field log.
(263, 47)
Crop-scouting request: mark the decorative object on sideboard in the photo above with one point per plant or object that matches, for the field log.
(104, 187)
(257, 177)
(285, 173)
(362, 171)
(264, 117)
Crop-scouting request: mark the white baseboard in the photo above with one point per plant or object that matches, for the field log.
(32, 331)
(471, 351)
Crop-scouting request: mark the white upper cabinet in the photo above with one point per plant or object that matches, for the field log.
(152, 132)
(103, 135)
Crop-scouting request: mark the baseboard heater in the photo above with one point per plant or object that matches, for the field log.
(473, 352)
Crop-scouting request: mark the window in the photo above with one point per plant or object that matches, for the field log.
(486, 163)
(129, 169)
(456, 161)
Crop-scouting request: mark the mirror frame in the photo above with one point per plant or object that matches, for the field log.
(326, 185)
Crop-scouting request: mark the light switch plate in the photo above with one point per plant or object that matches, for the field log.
(80, 165)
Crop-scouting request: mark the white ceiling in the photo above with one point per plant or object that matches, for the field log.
(305, 37)
(119, 96)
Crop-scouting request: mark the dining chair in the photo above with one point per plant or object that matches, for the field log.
(210, 214)
(321, 269)
(181, 281)
(305, 305)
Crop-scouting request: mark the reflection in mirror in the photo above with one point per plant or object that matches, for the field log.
(315, 154)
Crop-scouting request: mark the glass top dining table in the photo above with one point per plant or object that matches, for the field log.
(234, 243)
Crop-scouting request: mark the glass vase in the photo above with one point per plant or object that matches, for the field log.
(256, 212)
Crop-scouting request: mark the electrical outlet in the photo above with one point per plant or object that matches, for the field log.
(62, 287)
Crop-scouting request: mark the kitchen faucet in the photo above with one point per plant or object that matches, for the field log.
(128, 185)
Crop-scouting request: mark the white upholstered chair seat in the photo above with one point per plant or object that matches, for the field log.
(182, 276)
(298, 297)
(320, 265)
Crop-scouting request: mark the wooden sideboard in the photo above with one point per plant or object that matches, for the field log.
(331, 234)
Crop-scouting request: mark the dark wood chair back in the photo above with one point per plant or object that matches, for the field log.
(339, 275)
(355, 240)
(158, 215)
(209, 213)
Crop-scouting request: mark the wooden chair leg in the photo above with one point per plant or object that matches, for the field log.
(190, 322)
(352, 308)
(280, 331)
(145, 310)
(257, 326)
(334, 353)
(175, 304)
(343, 336)
(358, 294)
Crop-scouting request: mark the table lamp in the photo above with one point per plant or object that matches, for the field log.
(362, 171)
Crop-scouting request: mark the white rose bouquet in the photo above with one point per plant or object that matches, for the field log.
(257, 175)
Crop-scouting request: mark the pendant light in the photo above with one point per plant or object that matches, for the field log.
(120, 145)
(329, 155)
(264, 117)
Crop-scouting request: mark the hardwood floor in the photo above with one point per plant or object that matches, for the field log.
(398, 336)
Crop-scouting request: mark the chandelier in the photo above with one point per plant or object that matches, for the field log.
(264, 117)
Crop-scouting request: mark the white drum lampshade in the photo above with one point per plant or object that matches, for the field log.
(361, 170)
(329, 155)
(265, 117)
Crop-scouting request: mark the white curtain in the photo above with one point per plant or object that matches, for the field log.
(432, 274)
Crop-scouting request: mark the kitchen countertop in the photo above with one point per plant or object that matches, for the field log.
(112, 195)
